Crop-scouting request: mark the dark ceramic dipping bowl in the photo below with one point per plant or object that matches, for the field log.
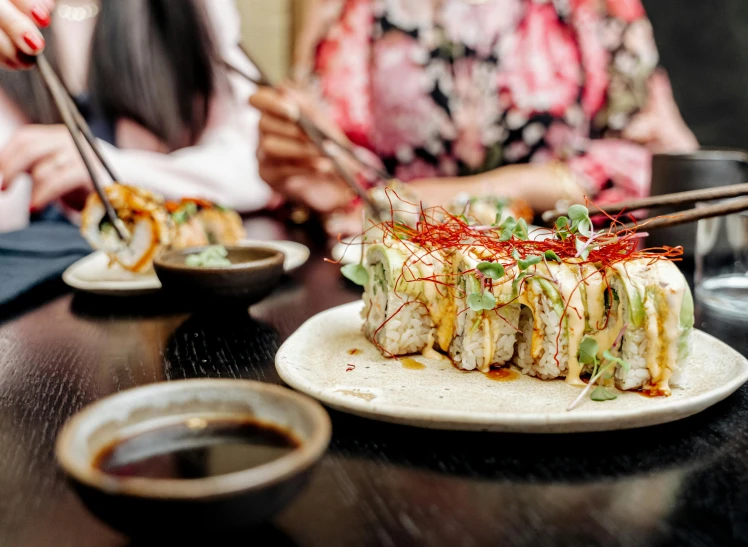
(253, 274)
(145, 507)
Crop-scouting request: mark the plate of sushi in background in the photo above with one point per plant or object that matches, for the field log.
(119, 268)
(474, 326)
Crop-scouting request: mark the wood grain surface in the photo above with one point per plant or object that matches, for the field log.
(680, 484)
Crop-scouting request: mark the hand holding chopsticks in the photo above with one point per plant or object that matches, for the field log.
(320, 139)
(81, 134)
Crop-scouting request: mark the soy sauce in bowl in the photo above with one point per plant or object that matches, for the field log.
(197, 449)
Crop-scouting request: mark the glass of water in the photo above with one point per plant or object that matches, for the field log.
(722, 264)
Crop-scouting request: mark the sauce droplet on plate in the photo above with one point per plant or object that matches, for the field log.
(502, 375)
(412, 364)
(354, 351)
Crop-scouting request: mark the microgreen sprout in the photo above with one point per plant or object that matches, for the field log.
(356, 273)
(602, 368)
(550, 255)
(531, 260)
(491, 270)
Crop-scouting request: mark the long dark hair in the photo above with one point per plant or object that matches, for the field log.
(151, 61)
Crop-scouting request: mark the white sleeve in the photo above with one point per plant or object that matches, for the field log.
(221, 166)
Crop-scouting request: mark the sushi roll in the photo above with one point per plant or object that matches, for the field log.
(155, 225)
(200, 222)
(408, 299)
(481, 338)
(583, 307)
(657, 305)
(143, 213)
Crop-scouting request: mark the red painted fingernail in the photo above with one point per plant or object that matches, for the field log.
(34, 41)
(32, 210)
(41, 16)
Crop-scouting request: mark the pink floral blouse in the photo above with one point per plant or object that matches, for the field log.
(457, 87)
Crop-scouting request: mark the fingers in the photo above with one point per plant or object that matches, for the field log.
(52, 181)
(273, 102)
(18, 20)
(321, 193)
(28, 146)
(272, 125)
(272, 146)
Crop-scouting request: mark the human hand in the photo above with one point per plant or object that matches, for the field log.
(19, 35)
(49, 155)
(287, 160)
(660, 125)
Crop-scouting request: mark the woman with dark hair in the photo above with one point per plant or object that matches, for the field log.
(144, 72)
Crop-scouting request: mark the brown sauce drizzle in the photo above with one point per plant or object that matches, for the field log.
(502, 375)
(411, 364)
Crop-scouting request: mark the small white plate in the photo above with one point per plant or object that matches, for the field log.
(93, 273)
(319, 360)
(348, 251)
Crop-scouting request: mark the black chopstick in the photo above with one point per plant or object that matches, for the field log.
(677, 198)
(691, 215)
(71, 117)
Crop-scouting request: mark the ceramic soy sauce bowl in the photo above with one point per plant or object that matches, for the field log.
(140, 506)
(253, 274)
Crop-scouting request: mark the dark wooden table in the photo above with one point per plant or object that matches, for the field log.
(684, 483)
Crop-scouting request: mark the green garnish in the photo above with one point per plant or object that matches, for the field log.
(529, 261)
(507, 228)
(604, 368)
(210, 257)
(515, 254)
(511, 227)
(478, 301)
(516, 283)
(582, 248)
(184, 213)
(550, 255)
(588, 351)
(615, 360)
(492, 270)
(601, 394)
(355, 273)
(580, 220)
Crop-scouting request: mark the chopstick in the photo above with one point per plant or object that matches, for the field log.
(678, 198)
(317, 135)
(692, 215)
(265, 80)
(81, 133)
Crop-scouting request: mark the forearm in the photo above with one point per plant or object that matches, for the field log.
(539, 185)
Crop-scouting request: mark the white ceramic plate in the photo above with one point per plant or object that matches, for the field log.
(317, 360)
(348, 251)
(93, 274)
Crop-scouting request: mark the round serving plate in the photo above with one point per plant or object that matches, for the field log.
(94, 274)
(329, 359)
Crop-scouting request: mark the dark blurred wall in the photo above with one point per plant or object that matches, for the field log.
(704, 46)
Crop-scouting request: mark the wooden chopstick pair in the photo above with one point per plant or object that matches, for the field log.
(318, 136)
(81, 133)
(678, 198)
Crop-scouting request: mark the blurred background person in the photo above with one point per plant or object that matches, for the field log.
(545, 101)
(170, 119)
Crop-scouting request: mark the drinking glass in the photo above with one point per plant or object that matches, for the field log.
(722, 264)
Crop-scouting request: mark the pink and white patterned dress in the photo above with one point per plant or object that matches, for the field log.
(458, 87)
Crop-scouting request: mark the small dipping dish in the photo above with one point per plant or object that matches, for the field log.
(253, 274)
(231, 490)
